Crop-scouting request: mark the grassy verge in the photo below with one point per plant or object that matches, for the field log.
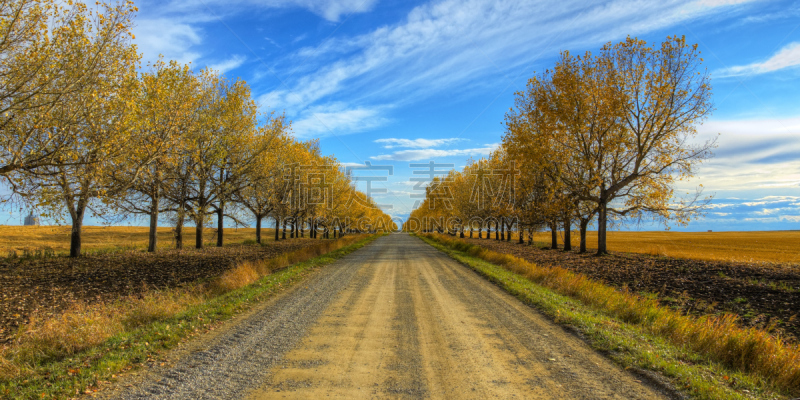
(88, 346)
(707, 358)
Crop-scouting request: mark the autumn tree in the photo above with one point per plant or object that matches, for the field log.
(166, 97)
(215, 152)
(665, 94)
(265, 182)
(104, 141)
(244, 144)
(51, 53)
(532, 133)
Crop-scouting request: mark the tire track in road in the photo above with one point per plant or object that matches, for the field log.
(232, 363)
(416, 324)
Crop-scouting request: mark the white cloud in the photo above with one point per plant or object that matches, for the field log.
(168, 37)
(430, 154)
(718, 3)
(779, 199)
(174, 28)
(234, 62)
(769, 211)
(720, 205)
(752, 154)
(390, 143)
(351, 164)
(335, 119)
(787, 57)
(452, 44)
(331, 10)
(448, 45)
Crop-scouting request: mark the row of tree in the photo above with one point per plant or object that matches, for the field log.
(83, 129)
(598, 139)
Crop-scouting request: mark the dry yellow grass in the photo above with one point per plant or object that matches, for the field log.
(20, 238)
(88, 325)
(718, 337)
(760, 247)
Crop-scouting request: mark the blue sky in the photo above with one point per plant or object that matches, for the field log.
(395, 83)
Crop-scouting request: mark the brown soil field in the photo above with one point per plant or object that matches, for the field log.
(748, 247)
(44, 286)
(104, 238)
(760, 293)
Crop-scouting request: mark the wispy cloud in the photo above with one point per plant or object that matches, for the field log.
(331, 10)
(430, 154)
(174, 28)
(756, 153)
(448, 45)
(336, 119)
(787, 57)
(229, 64)
(164, 36)
(461, 45)
(390, 143)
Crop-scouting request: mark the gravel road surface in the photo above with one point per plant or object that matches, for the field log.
(395, 319)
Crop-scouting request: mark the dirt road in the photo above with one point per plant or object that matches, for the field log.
(396, 319)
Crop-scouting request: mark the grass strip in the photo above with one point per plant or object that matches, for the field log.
(626, 326)
(85, 371)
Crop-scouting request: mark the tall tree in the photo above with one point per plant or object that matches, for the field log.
(167, 97)
(665, 94)
(263, 191)
(104, 141)
(616, 130)
(50, 53)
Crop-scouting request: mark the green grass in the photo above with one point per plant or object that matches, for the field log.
(88, 370)
(630, 344)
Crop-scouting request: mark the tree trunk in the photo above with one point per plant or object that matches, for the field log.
(602, 218)
(198, 233)
(584, 225)
(258, 229)
(567, 235)
(220, 223)
(179, 227)
(283, 236)
(521, 232)
(496, 230)
(152, 241)
(502, 229)
(302, 228)
(77, 227)
(553, 235)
